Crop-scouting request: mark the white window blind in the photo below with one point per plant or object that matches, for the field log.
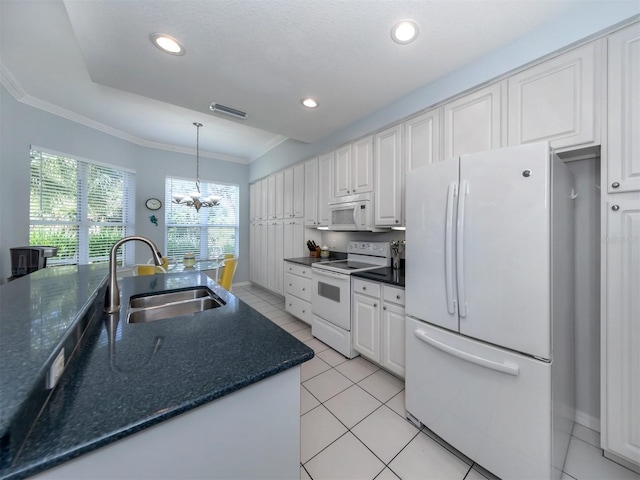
(80, 207)
(208, 233)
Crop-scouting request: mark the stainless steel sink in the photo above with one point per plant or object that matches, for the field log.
(157, 306)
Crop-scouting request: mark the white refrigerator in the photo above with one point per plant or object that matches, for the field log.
(489, 304)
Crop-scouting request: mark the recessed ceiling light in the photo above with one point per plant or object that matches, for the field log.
(405, 31)
(167, 44)
(309, 102)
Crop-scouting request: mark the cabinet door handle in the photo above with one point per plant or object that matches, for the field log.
(398, 297)
(364, 288)
(384, 308)
(375, 304)
(615, 184)
(304, 289)
(303, 311)
(289, 284)
(615, 208)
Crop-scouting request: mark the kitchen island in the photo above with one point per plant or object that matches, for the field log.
(211, 394)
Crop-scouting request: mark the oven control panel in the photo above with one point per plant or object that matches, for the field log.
(378, 249)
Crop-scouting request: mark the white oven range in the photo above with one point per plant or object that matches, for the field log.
(331, 292)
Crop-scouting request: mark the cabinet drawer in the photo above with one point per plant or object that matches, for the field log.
(366, 288)
(297, 269)
(393, 294)
(298, 286)
(298, 308)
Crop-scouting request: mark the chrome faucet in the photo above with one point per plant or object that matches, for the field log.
(112, 298)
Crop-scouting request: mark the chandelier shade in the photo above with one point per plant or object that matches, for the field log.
(194, 199)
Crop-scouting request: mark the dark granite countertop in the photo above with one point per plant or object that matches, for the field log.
(387, 275)
(37, 312)
(127, 377)
(308, 261)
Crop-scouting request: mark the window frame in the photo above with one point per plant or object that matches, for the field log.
(203, 227)
(82, 223)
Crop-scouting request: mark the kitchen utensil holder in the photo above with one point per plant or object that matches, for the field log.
(314, 253)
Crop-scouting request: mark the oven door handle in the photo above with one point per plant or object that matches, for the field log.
(339, 276)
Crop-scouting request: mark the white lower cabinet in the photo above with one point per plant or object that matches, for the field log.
(379, 324)
(297, 290)
(620, 335)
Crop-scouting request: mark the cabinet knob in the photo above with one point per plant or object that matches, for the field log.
(304, 271)
(348, 191)
(304, 289)
(398, 297)
(615, 208)
(375, 304)
(397, 221)
(303, 311)
(354, 190)
(384, 308)
(289, 284)
(615, 184)
(289, 304)
(364, 288)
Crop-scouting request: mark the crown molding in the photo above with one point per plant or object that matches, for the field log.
(16, 91)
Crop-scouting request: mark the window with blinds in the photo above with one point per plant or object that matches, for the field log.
(81, 207)
(208, 233)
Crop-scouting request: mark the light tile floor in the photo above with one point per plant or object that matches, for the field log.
(353, 422)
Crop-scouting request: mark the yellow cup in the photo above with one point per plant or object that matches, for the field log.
(146, 269)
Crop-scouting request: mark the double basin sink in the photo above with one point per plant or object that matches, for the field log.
(157, 306)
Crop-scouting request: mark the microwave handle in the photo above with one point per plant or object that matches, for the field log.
(355, 213)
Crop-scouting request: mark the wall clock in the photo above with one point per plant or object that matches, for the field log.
(153, 204)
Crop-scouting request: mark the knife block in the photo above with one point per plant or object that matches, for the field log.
(314, 253)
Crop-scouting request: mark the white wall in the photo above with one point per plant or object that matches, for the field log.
(554, 36)
(22, 126)
(586, 174)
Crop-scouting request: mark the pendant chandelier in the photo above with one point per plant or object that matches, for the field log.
(193, 199)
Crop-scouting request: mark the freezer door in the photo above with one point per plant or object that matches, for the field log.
(492, 405)
(503, 248)
(430, 252)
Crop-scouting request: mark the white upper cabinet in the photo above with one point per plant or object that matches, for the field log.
(288, 192)
(472, 123)
(325, 188)
(342, 171)
(556, 101)
(294, 191)
(388, 162)
(422, 140)
(311, 192)
(353, 168)
(264, 194)
(253, 200)
(362, 165)
(279, 195)
(623, 113)
(298, 190)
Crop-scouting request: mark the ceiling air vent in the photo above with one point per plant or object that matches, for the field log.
(216, 107)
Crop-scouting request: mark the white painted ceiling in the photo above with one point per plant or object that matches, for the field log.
(93, 62)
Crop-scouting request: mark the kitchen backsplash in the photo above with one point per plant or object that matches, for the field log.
(338, 241)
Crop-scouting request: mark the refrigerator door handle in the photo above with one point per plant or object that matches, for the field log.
(507, 368)
(462, 303)
(449, 280)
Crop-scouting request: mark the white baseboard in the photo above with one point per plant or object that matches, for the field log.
(587, 420)
(241, 284)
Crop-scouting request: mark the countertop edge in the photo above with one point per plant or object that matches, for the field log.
(87, 447)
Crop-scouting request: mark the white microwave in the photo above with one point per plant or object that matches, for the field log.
(353, 213)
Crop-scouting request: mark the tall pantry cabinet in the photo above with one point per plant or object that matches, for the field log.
(620, 302)
(276, 229)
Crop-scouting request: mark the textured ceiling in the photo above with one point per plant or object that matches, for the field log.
(92, 61)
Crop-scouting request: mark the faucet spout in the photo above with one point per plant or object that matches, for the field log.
(112, 298)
